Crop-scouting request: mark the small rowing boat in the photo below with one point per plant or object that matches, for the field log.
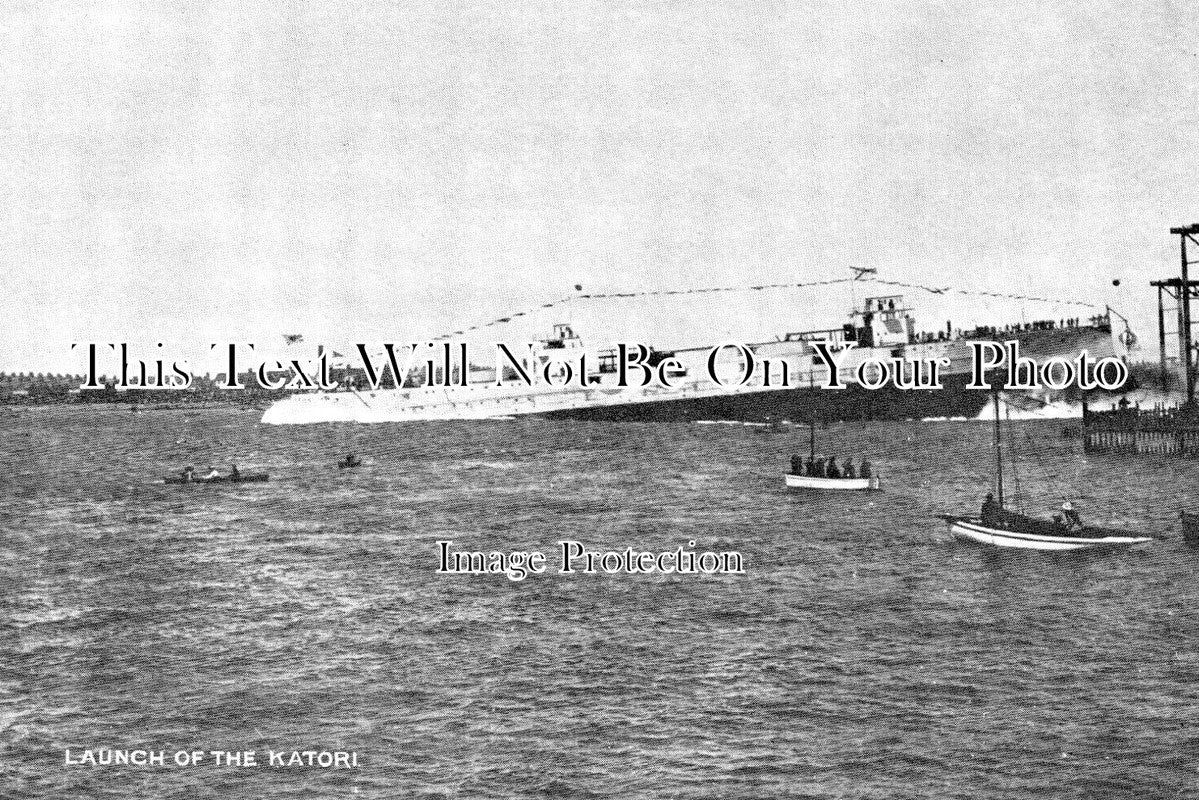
(798, 480)
(844, 484)
(257, 478)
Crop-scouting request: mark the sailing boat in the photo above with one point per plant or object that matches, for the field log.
(1011, 529)
(795, 481)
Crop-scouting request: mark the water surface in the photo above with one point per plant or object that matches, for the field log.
(864, 654)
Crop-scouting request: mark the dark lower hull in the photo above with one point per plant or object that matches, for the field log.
(800, 405)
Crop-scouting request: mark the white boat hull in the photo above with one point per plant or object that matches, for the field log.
(839, 484)
(970, 530)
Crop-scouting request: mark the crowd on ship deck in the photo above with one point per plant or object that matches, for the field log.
(994, 332)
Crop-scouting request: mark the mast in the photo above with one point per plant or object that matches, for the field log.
(998, 455)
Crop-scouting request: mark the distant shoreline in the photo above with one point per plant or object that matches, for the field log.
(138, 405)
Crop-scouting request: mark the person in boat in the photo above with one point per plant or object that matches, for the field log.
(352, 460)
(990, 512)
(810, 467)
(831, 470)
(847, 470)
(864, 470)
(1073, 520)
(212, 473)
(233, 473)
(818, 472)
(188, 474)
(796, 465)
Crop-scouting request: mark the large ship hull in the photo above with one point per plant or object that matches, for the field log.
(952, 401)
(700, 400)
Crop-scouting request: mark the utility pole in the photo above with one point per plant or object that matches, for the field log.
(1185, 318)
(1185, 289)
(1161, 338)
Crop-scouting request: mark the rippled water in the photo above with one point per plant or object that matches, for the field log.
(863, 654)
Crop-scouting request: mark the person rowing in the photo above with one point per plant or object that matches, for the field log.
(212, 474)
(990, 516)
(1073, 520)
(831, 470)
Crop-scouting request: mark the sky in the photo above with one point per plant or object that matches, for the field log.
(201, 172)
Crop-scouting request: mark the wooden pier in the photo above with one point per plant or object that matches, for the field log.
(1129, 431)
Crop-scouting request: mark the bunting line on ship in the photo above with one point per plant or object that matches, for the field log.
(761, 287)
